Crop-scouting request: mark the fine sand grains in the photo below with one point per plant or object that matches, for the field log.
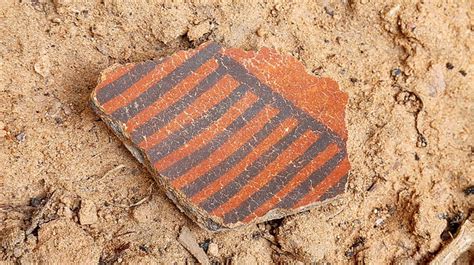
(407, 68)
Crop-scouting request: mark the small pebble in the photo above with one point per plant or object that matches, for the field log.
(442, 216)
(450, 66)
(67, 110)
(378, 222)
(393, 11)
(42, 67)
(88, 212)
(396, 72)
(21, 137)
(36, 201)
(199, 30)
(67, 212)
(213, 250)
(261, 32)
(17, 252)
(329, 11)
(437, 83)
(56, 20)
(462, 72)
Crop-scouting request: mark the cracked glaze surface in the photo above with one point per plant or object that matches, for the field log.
(234, 134)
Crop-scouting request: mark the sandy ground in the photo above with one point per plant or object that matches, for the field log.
(71, 193)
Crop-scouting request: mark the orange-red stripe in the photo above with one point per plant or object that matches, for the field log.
(326, 184)
(301, 176)
(231, 145)
(159, 72)
(259, 150)
(283, 160)
(207, 134)
(208, 99)
(173, 95)
(114, 75)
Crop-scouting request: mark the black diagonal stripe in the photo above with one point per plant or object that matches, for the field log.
(181, 72)
(116, 88)
(168, 114)
(271, 97)
(227, 192)
(187, 163)
(316, 177)
(277, 182)
(336, 189)
(182, 136)
(219, 170)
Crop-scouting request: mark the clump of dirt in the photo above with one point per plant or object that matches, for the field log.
(70, 192)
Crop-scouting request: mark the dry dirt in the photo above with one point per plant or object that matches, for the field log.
(71, 193)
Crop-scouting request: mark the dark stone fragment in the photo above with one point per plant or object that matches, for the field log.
(329, 11)
(417, 158)
(469, 190)
(396, 72)
(205, 244)
(355, 247)
(454, 223)
(145, 248)
(37, 201)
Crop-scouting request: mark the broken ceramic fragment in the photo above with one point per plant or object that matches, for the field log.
(234, 137)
